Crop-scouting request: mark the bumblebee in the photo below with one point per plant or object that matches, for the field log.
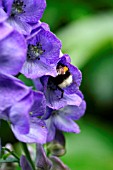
(62, 80)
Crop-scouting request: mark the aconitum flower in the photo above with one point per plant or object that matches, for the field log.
(42, 55)
(38, 130)
(62, 89)
(42, 161)
(17, 101)
(63, 119)
(22, 13)
(48, 163)
(24, 163)
(12, 50)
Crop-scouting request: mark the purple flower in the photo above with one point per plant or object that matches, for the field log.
(63, 119)
(57, 146)
(12, 50)
(38, 130)
(42, 161)
(39, 105)
(36, 134)
(48, 163)
(70, 86)
(22, 13)
(24, 163)
(42, 55)
(16, 103)
(62, 89)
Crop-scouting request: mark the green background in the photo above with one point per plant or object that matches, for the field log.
(86, 31)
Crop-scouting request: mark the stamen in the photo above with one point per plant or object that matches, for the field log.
(35, 51)
(17, 7)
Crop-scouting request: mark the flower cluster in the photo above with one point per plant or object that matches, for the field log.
(28, 47)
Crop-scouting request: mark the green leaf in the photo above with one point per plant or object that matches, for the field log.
(8, 160)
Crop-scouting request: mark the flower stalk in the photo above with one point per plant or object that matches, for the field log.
(26, 151)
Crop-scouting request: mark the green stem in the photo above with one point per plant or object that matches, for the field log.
(26, 151)
(11, 153)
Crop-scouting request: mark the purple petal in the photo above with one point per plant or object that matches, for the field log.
(25, 165)
(3, 15)
(12, 90)
(51, 44)
(12, 51)
(75, 72)
(19, 114)
(37, 133)
(33, 11)
(37, 69)
(5, 30)
(57, 164)
(7, 4)
(40, 24)
(47, 61)
(51, 129)
(55, 101)
(4, 114)
(39, 105)
(38, 85)
(20, 26)
(65, 124)
(47, 114)
(73, 112)
(42, 162)
(36, 27)
(57, 146)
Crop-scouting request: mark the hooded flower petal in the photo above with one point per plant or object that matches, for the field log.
(57, 146)
(19, 114)
(12, 50)
(12, 90)
(62, 119)
(62, 90)
(37, 132)
(42, 162)
(51, 129)
(42, 55)
(57, 164)
(73, 112)
(55, 100)
(15, 102)
(39, 105)
(65, 124)
(25, 165)
(74, 71)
